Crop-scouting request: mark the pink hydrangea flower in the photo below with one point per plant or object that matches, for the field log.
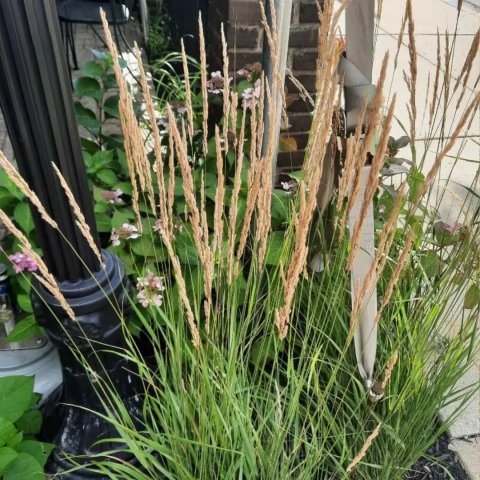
(150, 289)
(21, 262)
(125, 232)
(216, 83)
(112, 196)
(251, 96)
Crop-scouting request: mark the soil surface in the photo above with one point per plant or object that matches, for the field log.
(440, 463)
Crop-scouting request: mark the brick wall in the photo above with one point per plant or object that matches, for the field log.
(242, 21)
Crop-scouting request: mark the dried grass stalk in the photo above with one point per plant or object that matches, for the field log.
(363, 451)
(182, 289)
(237, 184)
(361, 153)
(23, 186)
(129, 125)
(188, 91)
(389, 369)
(313, 167)
(45, 277)
(226, 89)
(412, 49)
(469, 113)
(165, 216)
(80, 219)
(203, 82)
(372, 184)
(219, 196)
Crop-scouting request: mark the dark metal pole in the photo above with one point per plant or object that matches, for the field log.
(36, 100)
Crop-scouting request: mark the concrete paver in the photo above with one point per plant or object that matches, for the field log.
(430, 16)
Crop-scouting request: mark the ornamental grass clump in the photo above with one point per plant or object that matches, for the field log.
(246, 362)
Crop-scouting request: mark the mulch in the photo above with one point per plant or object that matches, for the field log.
(440, 463)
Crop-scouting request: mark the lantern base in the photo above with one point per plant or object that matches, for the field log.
(95, 376)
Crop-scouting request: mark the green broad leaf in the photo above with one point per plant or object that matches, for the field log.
(30, 423)
(8, 432)
(122, 161)
(145, 247)
(102, 159)
(275, 245)
(472, 297)
(93, 69)
(24, 467)
(104, 222)
(12, 189)
(23, 330)
(108, 177)
(24, 280)
(88, 87)
(5, 199)
(431, 263)
(89, 146)
(185, 247)
(39, 450)
(25, 303)
(86, 117)
(7, 456)
(280, 205)
(122, 216)
(15, 394)
(23, 217)
(415, 178)
(110, 107)
(403, 141)
(231, 157)
(297, 175)
(242, 86)
(16, 440)
(100, 207)
(99, 55)
(125, 187)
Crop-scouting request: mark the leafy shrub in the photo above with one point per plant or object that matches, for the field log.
(21, 456)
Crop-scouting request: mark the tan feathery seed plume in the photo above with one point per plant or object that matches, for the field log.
(22, 185)
(219, 197)
(226, 89)
(46, 278)
(80, 219)
(237, 184)
(363, 451)
(188, 90)
(372, 184)
(203, 83)
(389, 369)
(165, 218)
(127, 119)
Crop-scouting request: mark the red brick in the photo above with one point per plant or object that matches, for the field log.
(243, 11)
(303, 36)
(309, 13)
(244, 37)
(290, 160)
(239, 58)
(307, 80)
(299, 122)
(305, 60)
(299, 105)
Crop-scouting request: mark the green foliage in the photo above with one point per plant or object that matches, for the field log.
(159, 35)
(21, 457)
